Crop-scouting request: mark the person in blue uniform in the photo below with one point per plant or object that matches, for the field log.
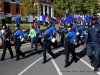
(53, 33)
(6, 43)
(19, 38)
(75, 27)
(8, 28)
(38, 38)
(47, 43)
(81, 33)
(69, 45)
(63, 31)
(92, 42)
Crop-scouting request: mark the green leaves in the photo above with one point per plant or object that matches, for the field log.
(28, 6)
(76, 6)
(59, 7)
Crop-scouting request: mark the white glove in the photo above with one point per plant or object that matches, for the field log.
(42, 39)
(81, 36)
(53, 40)
(77, 33)
(7, 39)
(39, 35)
(85, 32)
(22, 40)
(75, 42)
(79, 42)
(20, 37)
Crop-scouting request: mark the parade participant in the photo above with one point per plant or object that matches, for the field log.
(6, 43)
(69, 45)
(47, 43)
(63, 31)
(75, 27)
(53, 34)
(81, 33)
(35, 24)
(8, 28)
(32, 35)
(92, 42)
(18, 39)
(84, 37)
(38, 38)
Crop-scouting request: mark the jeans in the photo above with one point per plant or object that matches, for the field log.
(32, 42)
(94, 57)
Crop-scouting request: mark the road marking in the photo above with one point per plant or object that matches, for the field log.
(55, 65)
(87, 64)
(36, 62)
(30, 66)
(58, 70)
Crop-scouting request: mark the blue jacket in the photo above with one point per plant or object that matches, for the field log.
(75, 27)
(64, 30)
(18, 34)
(93, 34)
(40, 33)
(51, 32)
(72, 35)
(82, 30)
(8, 30)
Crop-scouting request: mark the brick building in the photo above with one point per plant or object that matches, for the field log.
(10, 8)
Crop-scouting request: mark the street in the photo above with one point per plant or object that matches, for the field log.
(32, 65)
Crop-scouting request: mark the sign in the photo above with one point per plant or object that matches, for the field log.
(30, 18)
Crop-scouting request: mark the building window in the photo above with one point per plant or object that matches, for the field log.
(46, 10)
(7, 0)
(7, 7)
(13, 0)
(41, 9)
(17, 9)
(51, 0)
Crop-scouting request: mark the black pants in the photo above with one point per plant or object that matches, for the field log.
(62, 38)
(38, 40)
(17, 48)
(69, 48)
(5, 46)
(47, 46)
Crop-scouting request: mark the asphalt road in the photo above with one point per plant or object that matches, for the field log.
(32, 65)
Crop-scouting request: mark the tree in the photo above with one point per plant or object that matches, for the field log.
(76, 6)
(28, 6)
(91, 6)
(60, 7)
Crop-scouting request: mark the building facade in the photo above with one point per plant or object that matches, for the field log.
(11, 8)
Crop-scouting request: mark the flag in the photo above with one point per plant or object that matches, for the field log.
(78, 19)
(43, 18)
(38, 23)
(69, 19)
(87, 20)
